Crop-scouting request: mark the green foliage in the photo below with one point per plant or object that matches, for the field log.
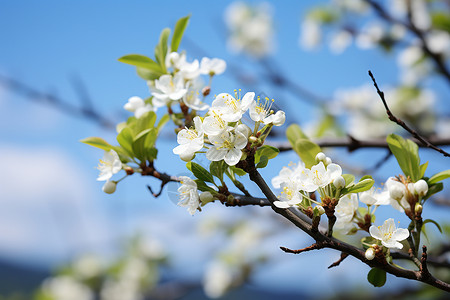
(407, 154)
(97, 142)
(200, 172)
(178, 32)
(433, 189)
(439, 177)
(441, 20)
(237, 171)
(143, 62)
(364, 184)
(305, 148)
(377, 277)
(217, 168)
(349, 179)
(324, 15)
(161, 49)
(263, 161)
(201, 186)
(263, 154)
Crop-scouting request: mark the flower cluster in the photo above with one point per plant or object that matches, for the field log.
(298, 181)
(222, 131)
(181, 84)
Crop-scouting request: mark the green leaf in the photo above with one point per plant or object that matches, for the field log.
(138, 145)
(151, 138)
(201, 186)
(407, 154)
(377, 277)
(97, 142)
(294, 133)
(439, 177)
(349, 179)
(125, 139)
(433, 189)
(422, 169)
(151, 153)
(142, 61)
(263, 161)
(368, 241)
(145, 122)
(180, 26)
(147, 74)
(441, 20)
(237, 171)
(361, 186)
(161, 49)
(217, 168)
(434, 222)
(200, 172)
(307, 151)
(266, 150)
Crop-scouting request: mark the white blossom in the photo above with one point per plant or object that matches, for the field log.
(290, 195)
(190, 140)
(262, 112)
(389, 234)
(109, 165)
(311, 34)
(168, 88)
(214, 66)
(137, 106)
(188, 194)
(66, 288)
(421, 187)
(190, 71)
(230, 108)
(288, 174)
(319, 176)
(345, 211)
(227, 146)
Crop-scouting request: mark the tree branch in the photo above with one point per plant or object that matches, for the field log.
(402, 124)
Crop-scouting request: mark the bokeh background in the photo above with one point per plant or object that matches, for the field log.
(52, 208)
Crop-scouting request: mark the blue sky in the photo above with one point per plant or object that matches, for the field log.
(53, 207)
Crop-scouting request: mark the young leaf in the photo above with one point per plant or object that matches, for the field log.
(266, 150)
(97, 142)
(125, 139)
(146, 121)
(147, 74)
(201, 186)
(178, 33)
(407, 154)
(161, 49)
(142, 61)
(294, 133)
(377, 277)
(361, 186)
(307, 151)
(217, 168)
(200, 172)
(439, 177)
(263, 161)
(433, 189)
(422, 169)
(349, 179)
(237, 171)
(163, 121)
(434, 222)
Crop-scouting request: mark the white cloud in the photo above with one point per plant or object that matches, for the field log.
(47, 211)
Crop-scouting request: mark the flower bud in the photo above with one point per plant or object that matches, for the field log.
(320, 157)
(319, 209)
(206, 197)
(418, 209)
(187, 157)
(396, 192)
(339, 182)
(279, 118)
(109, 187)
(253, 139)
(327, 161)
(370, 253)
(421, 187)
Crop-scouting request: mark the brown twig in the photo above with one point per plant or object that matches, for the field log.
(338, 262)
(401, 123)
(315, 246)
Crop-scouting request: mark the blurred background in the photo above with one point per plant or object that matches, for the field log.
(60, 82)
